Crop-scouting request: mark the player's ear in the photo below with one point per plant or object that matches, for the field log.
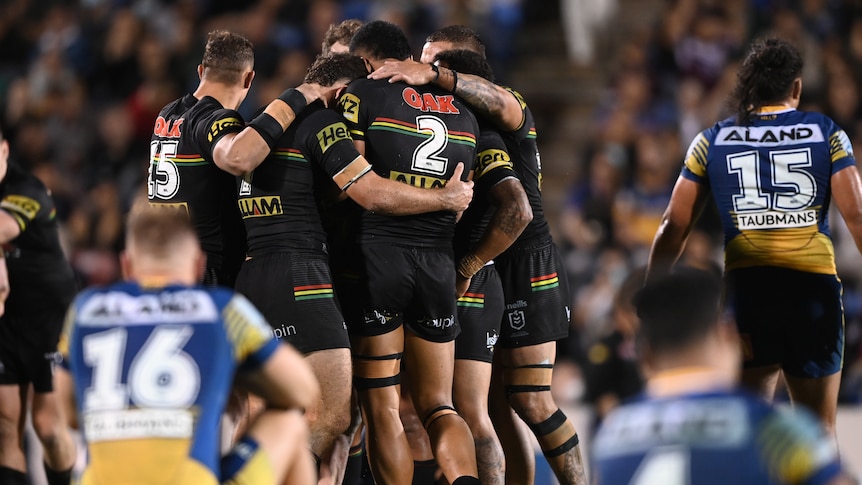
(249, 77)
(200, 71)
(797, 89)
(126, 266)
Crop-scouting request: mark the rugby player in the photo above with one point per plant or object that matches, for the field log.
(692, 425)
(535, 286)
(200, 142)
(43, 283)
(337, 37)
(151, 361)
(772, 171)
(287, 244)
(416, 136)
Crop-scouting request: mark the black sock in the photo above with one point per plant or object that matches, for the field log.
(423, 472)
(9, 476)
(466, 480)
(353, 470)
(57, 477)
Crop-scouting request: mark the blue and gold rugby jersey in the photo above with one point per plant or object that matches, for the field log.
(771, 182)
(717, 438)
(152, 371)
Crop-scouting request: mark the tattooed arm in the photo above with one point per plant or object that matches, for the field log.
(484, 97)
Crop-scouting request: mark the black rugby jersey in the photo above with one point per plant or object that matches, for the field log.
(182, 172)
(35, 254)
(416, 135)
(277, 200)
(522, 147)
(492, 166)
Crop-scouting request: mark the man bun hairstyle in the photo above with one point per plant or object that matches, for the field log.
(461, 36)
(381, 40)
(765, 76)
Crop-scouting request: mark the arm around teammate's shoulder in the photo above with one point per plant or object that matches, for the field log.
(847, 193)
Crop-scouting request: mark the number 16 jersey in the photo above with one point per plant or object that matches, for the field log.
(771, 182)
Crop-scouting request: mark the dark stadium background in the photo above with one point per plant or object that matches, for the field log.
(618, 88)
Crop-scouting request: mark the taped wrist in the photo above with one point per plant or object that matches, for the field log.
(295, 99)
(469, 265)
(268, 128)
(436, 69)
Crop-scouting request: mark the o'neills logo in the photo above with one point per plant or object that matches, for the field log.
(775, 220)
(260, 206)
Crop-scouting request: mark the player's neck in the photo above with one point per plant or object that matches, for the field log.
(687, 380)
(162, 279)
(229, 97)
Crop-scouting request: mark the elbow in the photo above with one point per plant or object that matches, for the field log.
(525, 215)
(235, 166)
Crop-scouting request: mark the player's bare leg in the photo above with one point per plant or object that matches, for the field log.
(51, 428)
(376, 369)
(330, 417)
(431, 368)
(470, 393)
(820, 395)
(527, 373)
(518, 452)
(284, 437)
(424, 465)
(762, 380)
(12, 405)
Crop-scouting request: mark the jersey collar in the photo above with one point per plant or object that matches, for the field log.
(774, 109)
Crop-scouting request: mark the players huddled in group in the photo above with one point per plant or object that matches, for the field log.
(385, 219)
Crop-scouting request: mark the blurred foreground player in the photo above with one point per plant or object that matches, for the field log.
(42, 285)
(152, 360)
(692, 426)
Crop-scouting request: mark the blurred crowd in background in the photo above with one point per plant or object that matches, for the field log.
(82, 81)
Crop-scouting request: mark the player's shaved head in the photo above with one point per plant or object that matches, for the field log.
(680, 309)
(380, 40)
(227, 56)
(161, 241)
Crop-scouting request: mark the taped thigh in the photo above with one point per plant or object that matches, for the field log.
(528, 378)
(376, 371)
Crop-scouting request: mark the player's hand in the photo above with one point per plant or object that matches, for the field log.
(457, 194)
(313, 92)
(410, 71)
(461, 285)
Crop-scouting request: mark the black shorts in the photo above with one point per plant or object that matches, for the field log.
(413, 286)
(536, 293)
(479, 314)
(789, 317)
(28, 346)
(293, 291)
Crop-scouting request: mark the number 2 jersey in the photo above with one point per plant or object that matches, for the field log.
(771, 182)
(415, 135)
(182, 174)
(716, 438)
(152, 371)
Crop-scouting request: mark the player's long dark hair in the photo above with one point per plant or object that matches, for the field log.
(766, 76)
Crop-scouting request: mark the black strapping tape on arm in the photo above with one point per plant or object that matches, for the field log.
(294, 99)
(268, 128)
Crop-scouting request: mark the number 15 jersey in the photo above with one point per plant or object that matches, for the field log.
(771, 182)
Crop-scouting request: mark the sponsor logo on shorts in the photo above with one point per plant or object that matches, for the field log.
(516, 305)
(491, 339)
(376, 316)
(312, 292)
(517, 319)
(442, 323)
(776, 220)
(546, 282)
(284, 330)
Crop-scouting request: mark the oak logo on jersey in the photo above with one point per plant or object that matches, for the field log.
(488, 160)
(349, 104)
(167, 129)
(332, 134)
(429, 102)
(19, 204)
(421, 181)
(221, 125)
(260, 206)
